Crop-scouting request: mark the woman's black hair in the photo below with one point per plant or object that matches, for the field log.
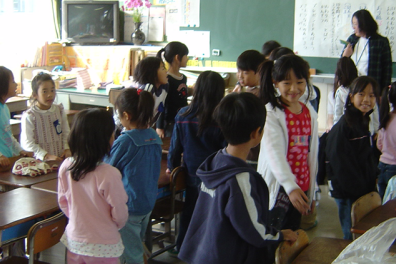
(208, 92)
(139, 104)
(146, 70)
(353, 116)
(279, 52)
(345, 73)
(37, 81)
(366, 22)
(388, 96)
(269, 46)
(278, 71)
(250, 60)
(89, 140)
(5, 76)
(171, 50)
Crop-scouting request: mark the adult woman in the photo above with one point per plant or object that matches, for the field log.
(369, 50)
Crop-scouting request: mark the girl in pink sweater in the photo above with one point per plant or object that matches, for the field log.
(386, 142)
(91, 193)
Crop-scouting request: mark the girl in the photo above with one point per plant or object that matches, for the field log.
(44, 127)
(151, 76)
(137, 154)
(90, 192)
(175, 53)
(345, 73)
(386, 141)
(289, 147)
(196, 136)
(351, 167)
(8, 145)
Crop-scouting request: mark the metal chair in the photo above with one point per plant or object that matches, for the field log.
(41, 236)
(165, 210)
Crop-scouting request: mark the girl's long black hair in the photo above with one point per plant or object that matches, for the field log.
(171, 50)
(388, 96)
(89, 140)
(208, 92)
(345, 73)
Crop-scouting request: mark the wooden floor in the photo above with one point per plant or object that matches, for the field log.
(328, 226)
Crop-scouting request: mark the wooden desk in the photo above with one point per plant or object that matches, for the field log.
(23, 204)
(47, 186)
(322, 250)
(15, 128)
(375, 217)
(9, 179)
(17, 104)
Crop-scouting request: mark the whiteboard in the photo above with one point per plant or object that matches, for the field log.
(320, 25)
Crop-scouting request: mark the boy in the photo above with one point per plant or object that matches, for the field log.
(268, 47)
(248, 75)
(229, 220)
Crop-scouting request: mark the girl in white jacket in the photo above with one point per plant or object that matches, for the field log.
(289, 148)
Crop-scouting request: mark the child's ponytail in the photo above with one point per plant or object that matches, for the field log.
(171, 50)
(267, 91)
(159, 53)
(145, 109)
(388, 96)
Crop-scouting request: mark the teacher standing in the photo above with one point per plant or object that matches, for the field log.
(369, 50)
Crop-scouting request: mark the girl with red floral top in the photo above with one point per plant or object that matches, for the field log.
(289, 147)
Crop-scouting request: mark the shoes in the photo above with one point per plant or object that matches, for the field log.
(173, 252)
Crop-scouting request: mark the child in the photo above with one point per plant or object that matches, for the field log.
(196, 136)
(248, 75)
(345, 74)
(351, 168)
(137, 154)
(151, 76)
(386, 141)
(44, 127)
(90, 192)
(269, 47)
(229, 224)
(9, 147)
(289, 148)
(175, 53)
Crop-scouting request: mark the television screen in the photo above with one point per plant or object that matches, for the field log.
(91, 22)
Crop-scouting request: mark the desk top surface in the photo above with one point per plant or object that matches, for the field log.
(47, 186)
(322, 250)
(91, 91)
(16, 99)
(23, 204)
(375, 217)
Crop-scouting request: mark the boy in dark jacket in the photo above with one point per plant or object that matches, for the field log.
(229, 220)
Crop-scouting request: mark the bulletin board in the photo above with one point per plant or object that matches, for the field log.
(320, 25)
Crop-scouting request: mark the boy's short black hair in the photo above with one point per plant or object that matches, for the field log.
(250, 60)
(238, 115)
(269, 46)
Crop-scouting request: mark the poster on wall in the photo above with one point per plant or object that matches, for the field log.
(320, 25)
(190, 13)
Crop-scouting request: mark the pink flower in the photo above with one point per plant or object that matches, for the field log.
(148, 4)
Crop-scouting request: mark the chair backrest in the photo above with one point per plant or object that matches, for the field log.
(390, 192)
(287, 252)
(364, 205)
(45, 234)
(178, 178)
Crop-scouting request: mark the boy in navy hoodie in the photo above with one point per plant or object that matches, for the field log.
(229, 224)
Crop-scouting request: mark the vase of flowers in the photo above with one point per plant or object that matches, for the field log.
(136, 6)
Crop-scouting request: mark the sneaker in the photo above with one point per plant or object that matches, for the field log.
(173, 252)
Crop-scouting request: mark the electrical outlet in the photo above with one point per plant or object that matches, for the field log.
(215, 52)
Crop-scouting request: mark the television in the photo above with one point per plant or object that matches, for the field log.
(91, 22)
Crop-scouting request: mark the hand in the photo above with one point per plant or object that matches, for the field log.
(300, 201)
(4, 161)
(375, 136)
(66, 153)
(289, 235)
(168, 171)
(51, 157)
(160, 132)
(237, 89)
(348, 51)
(26, 154)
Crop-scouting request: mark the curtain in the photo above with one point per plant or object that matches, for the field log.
(56, 15)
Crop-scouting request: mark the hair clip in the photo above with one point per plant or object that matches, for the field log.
(40, 73)
(139, 91)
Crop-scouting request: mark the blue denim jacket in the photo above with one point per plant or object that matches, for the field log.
(137, 154)
(195, 149)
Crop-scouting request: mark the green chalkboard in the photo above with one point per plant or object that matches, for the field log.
(238, 25)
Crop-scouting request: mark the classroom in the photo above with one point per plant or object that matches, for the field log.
(87, 70)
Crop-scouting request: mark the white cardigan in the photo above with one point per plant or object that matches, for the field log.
(272, 162)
